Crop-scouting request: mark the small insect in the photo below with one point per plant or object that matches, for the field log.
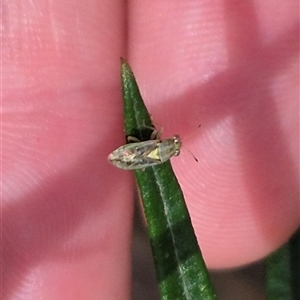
(140, 155)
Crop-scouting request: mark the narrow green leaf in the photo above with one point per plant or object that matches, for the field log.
(180, 269)
(283, 271)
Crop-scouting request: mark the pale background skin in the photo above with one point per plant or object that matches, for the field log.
(231, 66)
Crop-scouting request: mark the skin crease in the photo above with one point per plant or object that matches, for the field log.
(67, 213)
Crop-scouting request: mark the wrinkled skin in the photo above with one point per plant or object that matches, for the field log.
(231, 66)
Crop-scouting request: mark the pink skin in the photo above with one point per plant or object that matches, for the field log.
(66, 213)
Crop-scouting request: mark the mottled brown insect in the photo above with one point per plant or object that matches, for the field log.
(140, 155)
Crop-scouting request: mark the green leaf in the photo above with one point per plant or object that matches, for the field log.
(180, 269)
(283, 271)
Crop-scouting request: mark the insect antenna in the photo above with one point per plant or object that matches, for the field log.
(195, 158)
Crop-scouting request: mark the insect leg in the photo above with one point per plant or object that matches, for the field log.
(132, 139)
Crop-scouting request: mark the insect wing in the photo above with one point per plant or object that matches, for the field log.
(134, 156)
